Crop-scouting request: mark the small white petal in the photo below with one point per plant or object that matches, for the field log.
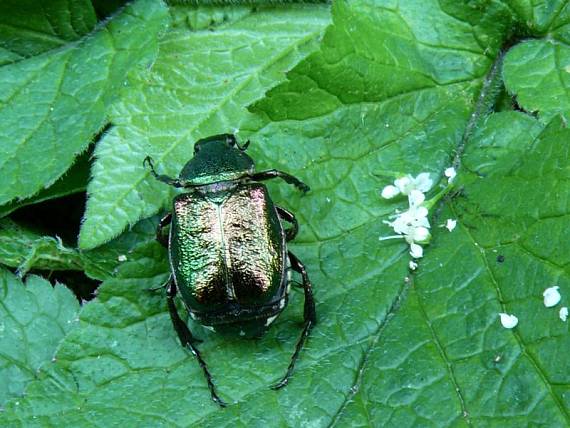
(122, 258)
(404, 184)
(416, 251)
(450, 173)
(508, 321)
(416, 198)
(413, 265)
(551, 296)
(422, 182)
(563, 314)
(390, 191)
(450, 224)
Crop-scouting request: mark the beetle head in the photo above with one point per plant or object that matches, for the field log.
(217, 158)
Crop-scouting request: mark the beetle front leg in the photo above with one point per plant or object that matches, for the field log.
(164, 221)
(188, 341)
(163, 178)
(289, 217)
(288, 178)
(310, 317)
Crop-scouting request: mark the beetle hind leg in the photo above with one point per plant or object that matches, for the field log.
(288, 216)
(310, 317)
(188, 341)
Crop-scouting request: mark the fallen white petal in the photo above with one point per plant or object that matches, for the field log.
(450, 224)
(416, 251)
(450, 173)
(563, 314)
(508, 321)
(390, 191)
(413, 265)
(551, 296)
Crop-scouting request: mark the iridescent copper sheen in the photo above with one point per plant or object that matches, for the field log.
(227, 252)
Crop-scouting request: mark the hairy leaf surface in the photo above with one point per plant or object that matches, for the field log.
(52, 104)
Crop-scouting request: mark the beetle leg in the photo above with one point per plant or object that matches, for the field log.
(188, 341)
(310, 316)
(164, 221)
(164, 178)
(273, 173)
(289, 217)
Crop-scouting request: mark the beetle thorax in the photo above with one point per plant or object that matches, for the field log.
(217, 159)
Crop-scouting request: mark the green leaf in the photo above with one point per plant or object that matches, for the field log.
(26, 30)
(33, 320)
(73, 181)
(52, 104)
(540, 17)
(199, 85)
(403, 88)
(25, 249)
(538, 73)
(507, 250)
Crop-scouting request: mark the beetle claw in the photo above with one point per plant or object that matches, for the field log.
(219, 401)
(283, 382)
(148, 160)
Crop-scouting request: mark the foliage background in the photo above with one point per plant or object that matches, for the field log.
(345, 96)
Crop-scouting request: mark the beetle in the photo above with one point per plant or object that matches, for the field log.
(227, 248)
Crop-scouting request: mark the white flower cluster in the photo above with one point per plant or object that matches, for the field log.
(413, 225)
(551, 297)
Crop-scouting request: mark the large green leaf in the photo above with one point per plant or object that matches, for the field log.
(401, 88)
(52, 104)
(496, 261)
(33, 320)
(199, 86)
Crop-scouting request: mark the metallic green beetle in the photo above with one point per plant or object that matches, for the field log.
(227, 248)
